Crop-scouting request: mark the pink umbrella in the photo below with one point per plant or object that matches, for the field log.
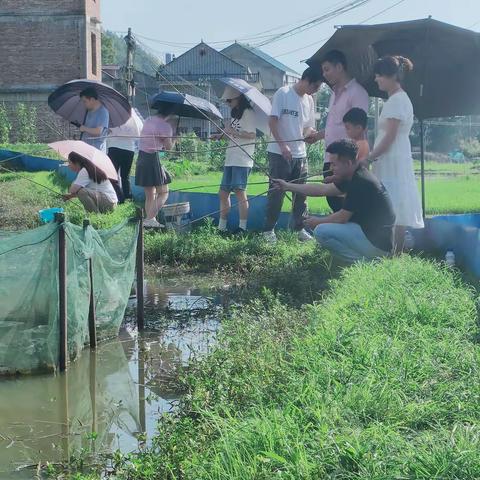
(97, 157)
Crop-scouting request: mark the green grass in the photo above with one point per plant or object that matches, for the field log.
(35, 149)
(380, 380)
(252, 262)
(450, 187)
(443, 194)
(20, 201)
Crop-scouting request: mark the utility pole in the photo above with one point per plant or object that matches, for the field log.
(129, 80)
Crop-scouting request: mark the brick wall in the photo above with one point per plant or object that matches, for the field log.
(92, 8)
(41, 52)
(46, 43)
(41, 6)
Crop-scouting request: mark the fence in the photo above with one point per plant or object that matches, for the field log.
(62, 286)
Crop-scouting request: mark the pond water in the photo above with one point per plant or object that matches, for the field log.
(117, 391)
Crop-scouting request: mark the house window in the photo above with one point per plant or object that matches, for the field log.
(94, 53)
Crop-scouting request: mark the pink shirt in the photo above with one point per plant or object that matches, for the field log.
(350, 96)
(155, 130)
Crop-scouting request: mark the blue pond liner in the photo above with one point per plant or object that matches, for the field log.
(460, 233)
(29, 163)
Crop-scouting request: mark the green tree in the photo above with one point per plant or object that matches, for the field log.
(26, 123)
(5, 125)
(108, 49)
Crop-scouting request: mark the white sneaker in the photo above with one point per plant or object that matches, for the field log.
(270, 236)
(304, 236)
(152, 223)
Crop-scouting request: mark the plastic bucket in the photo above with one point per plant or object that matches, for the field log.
(48, 214)
(176, 209)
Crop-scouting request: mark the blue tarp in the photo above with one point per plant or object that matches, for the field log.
(29, 163)
(460, 233)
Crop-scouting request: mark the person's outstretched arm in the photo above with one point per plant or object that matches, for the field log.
(308, 189)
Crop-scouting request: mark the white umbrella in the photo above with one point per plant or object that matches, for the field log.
(260, 103)
(130, 131)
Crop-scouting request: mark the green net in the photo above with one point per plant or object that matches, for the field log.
(29, 286)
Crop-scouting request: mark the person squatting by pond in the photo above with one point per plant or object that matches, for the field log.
(91, 186)
(363, 228)
(238, 161)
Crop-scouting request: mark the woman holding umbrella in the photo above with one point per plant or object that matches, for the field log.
(238, 161)
(157, 136)
(392, 153)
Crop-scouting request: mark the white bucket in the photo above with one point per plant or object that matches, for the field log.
(176, 209)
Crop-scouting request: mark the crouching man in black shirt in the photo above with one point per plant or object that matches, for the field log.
(363, 228)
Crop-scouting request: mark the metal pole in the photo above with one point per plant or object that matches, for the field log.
(62, 292)
(140, 272)
(209, 127)
(92, 328)
(131, 46)
(422, 164)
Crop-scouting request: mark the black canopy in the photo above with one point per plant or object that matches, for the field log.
(446, 77)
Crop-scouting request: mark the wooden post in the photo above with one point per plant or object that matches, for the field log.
(92, 329)
(141, 387)
(62, 291)
(140, 272)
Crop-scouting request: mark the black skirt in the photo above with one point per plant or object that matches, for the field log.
(150, 172)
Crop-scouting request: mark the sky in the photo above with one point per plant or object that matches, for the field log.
(175, 26)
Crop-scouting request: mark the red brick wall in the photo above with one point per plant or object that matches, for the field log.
(46, 43)
(42, 6)
(93, 8)
(38, 52)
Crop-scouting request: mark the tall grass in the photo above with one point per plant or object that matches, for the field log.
(380, 380)
(20, 201)
(297, 271)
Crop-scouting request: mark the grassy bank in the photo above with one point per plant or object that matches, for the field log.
(379, 380)
(23, 194)
(296, 271)
(450, 187)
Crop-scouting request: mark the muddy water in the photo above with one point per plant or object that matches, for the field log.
(115, 392)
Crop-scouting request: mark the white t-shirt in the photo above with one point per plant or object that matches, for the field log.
(235, 156)
(126, 136)
(294, 113)
(83, 180)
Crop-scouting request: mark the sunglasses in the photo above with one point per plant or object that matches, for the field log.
(230, 100)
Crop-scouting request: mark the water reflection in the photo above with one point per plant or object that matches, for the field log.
(116, 391)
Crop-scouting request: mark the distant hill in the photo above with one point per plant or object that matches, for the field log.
(114, 51)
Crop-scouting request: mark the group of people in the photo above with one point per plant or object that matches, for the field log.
(372, 194)
(91, 186)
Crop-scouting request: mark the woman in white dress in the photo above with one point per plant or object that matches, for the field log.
(392, 152)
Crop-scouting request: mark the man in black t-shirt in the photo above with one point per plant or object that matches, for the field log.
(363, 228)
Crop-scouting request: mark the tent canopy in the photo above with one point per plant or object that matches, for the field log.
(446, 59)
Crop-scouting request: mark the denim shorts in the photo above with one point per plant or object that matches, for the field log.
(235, 178)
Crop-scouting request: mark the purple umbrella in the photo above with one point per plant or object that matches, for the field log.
(66, 102)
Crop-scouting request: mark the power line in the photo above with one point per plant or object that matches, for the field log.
(257, 36)
(316, 21)
(326, 38)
